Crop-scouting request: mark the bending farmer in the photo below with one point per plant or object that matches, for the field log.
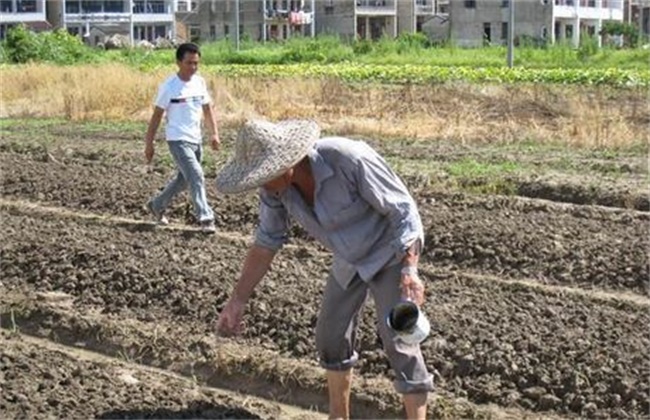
(345, 195)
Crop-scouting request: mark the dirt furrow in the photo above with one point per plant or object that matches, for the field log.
(585, 246)
(238, 239)
(41, 379)
(493, 342)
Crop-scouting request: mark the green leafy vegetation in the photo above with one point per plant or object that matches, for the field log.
(419, 74)
(23, 46)
(407, 59)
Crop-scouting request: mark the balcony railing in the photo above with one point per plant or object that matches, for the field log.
(378, 4)
(382, 7)
(603, 4)
(150, 7)
(98, 6)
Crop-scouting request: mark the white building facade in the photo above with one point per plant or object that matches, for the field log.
(29, 12)
(478, 22)
(94, 20)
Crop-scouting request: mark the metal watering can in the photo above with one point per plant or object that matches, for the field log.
(409, 322)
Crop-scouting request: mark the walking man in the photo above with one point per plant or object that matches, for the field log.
(346, 196)
(184, 98)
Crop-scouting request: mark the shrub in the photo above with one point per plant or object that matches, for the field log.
(588, 48)
(629, 32)
(409, 42)
(23, 45)
(362, 47)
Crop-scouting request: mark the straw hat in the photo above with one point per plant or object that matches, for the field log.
(264, 151)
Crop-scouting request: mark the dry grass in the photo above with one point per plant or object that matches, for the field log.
(579, 116)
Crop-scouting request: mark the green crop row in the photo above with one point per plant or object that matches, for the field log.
(422, 74)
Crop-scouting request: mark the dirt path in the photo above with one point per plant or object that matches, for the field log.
(43, 378)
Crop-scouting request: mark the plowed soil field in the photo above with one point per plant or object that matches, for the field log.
(539, 307)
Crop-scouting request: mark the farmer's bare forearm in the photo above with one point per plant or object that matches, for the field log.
(257, 263)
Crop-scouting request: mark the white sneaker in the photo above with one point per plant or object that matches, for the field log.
(208, 227)
(158, 216)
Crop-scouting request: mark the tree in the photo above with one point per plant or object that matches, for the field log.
(629, 32)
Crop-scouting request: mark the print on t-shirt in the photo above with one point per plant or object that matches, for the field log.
(183, 103)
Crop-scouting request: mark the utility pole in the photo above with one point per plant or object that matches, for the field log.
(511, 33)
(237, 25)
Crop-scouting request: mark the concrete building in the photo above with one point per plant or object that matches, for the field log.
(32, 13)
(478, 22)
(638, 14)
(258, 20)
(94, 20)
(468, 23)
(372, 19)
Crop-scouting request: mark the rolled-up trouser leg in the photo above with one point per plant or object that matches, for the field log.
(406, 360)
(337, 323)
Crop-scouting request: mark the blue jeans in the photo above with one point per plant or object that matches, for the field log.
(188, 160)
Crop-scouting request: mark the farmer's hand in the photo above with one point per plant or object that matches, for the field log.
(230, 319)
(148, 151)
(411, 285)
(215, 142)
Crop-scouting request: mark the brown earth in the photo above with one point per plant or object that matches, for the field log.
(537, 306)
(40, 379)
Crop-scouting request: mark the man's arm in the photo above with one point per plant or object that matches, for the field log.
(150, 137)
(387, 194)
(257, 263)
(211, 121)
(410, 283)
(412, 254)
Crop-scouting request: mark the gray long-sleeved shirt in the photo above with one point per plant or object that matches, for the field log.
(362, 211)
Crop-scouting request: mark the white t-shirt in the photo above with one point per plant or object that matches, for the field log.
(183, 103)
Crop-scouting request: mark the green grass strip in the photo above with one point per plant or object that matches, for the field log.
(423, 74)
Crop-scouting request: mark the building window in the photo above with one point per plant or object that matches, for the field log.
(114, 7)
(504, 30)
(26, 6)
(195, 33)
(71, 6)
(226, 30)
(148, 6)
(505, 3)
(329, 7)
(160, 31)
(213, 32)
(91, 7)
(487, 33)
(470, 4)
